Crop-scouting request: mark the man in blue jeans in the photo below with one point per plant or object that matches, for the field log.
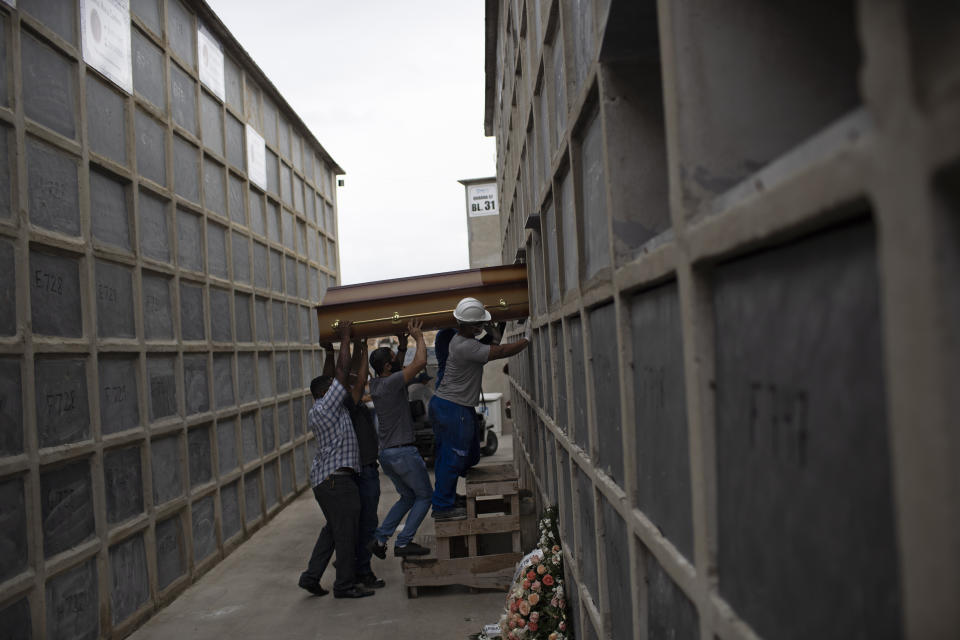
(452, 405)
(398, 454)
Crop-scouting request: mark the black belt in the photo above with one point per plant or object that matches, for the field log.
(344, 471)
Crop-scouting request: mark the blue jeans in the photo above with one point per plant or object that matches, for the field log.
(368, 482)
(405, 467)
(457, 448)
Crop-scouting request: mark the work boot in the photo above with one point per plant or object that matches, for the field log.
(377, 548)
(412, 549)
(456, 513)
(371, 581)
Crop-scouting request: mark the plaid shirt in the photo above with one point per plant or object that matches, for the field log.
(336, 441)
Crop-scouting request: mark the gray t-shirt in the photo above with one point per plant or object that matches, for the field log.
(463, 375)
(393, 410)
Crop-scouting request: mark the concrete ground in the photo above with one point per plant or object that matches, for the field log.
(253, 593)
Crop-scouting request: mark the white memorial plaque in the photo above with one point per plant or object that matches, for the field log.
(105, 25)
(211, 63)
(256, 158)
(482, 200)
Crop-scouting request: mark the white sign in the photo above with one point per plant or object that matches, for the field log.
(211, 63)
(482, 200)
(256, 158)
(12, 3)
(105, 25)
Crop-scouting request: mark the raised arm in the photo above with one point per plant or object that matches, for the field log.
(360, 368)
(342, 372)
(499, 351)
(329, 359)
(420, 357)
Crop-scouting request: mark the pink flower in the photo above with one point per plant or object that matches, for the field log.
(524, 607)
(514, 606)
(535, 586)
(532, 626)
(534, 616)
(562, 626)
(554, 603)
(548, 580)
(541, 569)
(535, 560)
(556, 548)
(531, 576)
(525, 584)
(512, 625)
(533, 599)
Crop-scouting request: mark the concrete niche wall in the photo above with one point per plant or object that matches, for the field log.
(156, 322)
(740, 221)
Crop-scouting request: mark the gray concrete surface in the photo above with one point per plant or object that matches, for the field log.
(253, 593)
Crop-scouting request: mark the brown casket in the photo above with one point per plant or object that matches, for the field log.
(383, 308)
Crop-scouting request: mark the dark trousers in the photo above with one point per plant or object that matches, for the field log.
(368, 483)
(339, 500)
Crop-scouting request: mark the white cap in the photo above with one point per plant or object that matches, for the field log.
(471, 310)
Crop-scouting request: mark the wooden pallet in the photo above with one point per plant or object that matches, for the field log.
(480, 551)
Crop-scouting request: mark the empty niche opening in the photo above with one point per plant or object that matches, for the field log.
(762, 78)
(631, 99)
(934, 29)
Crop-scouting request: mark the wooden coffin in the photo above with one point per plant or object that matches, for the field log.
(383, 308)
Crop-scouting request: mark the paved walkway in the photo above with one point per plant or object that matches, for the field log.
(253, 593)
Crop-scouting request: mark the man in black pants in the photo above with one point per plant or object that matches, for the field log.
(332, 476)
(368, 480)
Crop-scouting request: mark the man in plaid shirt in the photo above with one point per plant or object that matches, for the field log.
(335, 464)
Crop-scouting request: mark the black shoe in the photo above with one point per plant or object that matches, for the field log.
(377, 549)
(412, 549)
(371, 581)
(353, 592)
(456, 513)
(312, 586)
(460, 501)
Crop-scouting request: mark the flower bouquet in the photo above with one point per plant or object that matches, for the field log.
(536, 605)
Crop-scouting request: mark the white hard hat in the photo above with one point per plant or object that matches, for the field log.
(471, 310)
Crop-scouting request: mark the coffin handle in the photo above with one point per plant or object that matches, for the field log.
(396, 318)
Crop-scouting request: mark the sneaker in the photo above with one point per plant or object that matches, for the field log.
(353, 592)
(377, 548)
(412, 549)
(456, 513)
(370, 581)
(312, 586)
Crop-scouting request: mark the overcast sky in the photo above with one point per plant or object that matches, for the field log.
(394, 91)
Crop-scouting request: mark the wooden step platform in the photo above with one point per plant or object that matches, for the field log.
(480, 551)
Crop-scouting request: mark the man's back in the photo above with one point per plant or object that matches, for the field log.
(389, 395)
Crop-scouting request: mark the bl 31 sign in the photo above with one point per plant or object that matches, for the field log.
(482, 200)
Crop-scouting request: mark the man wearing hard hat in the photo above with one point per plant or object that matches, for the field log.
(452, 405)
